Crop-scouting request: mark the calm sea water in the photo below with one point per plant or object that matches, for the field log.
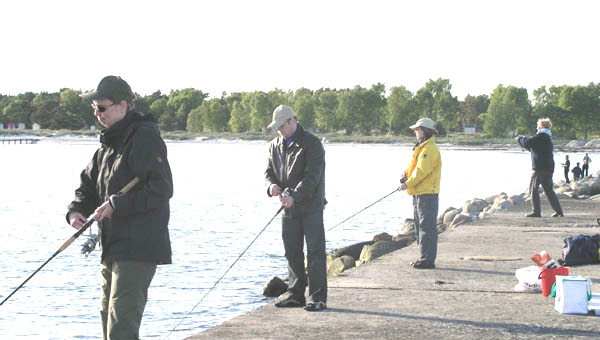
(219, 206)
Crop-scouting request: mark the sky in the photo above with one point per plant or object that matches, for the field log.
(256, 45)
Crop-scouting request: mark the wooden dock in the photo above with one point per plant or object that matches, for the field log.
(19, 140)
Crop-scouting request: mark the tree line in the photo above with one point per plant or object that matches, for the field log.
(509, 110)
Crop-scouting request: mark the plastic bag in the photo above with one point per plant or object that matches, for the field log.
(529, 279)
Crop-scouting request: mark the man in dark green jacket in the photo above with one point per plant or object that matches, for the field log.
(296, 174)
(133, 226)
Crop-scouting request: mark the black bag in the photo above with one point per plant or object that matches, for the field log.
(581, 249)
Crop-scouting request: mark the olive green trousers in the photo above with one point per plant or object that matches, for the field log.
(124, 294)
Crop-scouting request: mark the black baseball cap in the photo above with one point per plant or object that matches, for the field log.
(113, 88)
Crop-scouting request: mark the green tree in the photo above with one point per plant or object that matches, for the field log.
(305, 107)
(79, 114)
(583, 103)
(168, 121)
(508, 106)
(260, 111)
(547, 105)
(46, 110)
(181, 102)
(158, 107)
(401, 111)
(435, 101)
(194, 122)
(472, 107)
(326, 104)
(20, 109)
(215, 115)
(349, 109)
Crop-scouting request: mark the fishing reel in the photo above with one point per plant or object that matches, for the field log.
(90, 244)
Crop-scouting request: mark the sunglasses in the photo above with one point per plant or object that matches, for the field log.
(101, 108)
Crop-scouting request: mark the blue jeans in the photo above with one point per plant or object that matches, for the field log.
(426, 211)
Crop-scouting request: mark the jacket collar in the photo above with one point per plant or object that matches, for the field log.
(119, 132)
(296, 137)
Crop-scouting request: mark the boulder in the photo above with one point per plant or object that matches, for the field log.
(576, 144)
(517, 199)
(474, 207)
(501, 202)
(595, 186)
(461, 218)
(408, 227)
(353, 250)
(274, 287)
(339, 264)
(449, 215)
(492, 199)
(581, 188)
(593, 144)
(404, 239)
(382, 237)
(378, 249)
(441, 228)
(564, 189)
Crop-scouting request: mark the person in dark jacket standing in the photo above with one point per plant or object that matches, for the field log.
(296, 174)
(577, 172)
(542, 162)
(133, 227)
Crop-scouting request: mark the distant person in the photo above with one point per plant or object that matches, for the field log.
(566, 166)
(586, 164)
(296, 174)
(542, 162)
(133, 226)
(422, 180)
(576, 172)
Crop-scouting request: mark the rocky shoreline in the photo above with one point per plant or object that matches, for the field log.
(357, 254)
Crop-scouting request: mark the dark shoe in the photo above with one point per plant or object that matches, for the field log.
(422, 264)
(316, 306)
(558, 215)
(290, 301)
(533, 215)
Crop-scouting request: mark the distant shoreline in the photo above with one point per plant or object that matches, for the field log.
(476, 141)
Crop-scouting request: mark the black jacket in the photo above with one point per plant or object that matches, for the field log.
(301, 168)
(138, 229)
(541, 149)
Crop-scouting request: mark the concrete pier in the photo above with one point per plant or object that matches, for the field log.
(469, 295)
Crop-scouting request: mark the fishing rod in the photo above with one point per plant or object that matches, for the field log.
(222, 276)
(125, 189)
(363, 209)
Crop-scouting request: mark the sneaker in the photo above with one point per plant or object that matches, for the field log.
(290, 300)
(558, 215)
(533, 215)
(422, 264)
(316, 306)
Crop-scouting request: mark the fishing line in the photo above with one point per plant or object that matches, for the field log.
(222, 276)
(363, 209)
(90, 221)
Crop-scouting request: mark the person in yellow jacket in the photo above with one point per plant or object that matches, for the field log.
(422, 180)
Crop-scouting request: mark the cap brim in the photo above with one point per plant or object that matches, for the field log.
(275, 125)
(412, 127)
(92, 96)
